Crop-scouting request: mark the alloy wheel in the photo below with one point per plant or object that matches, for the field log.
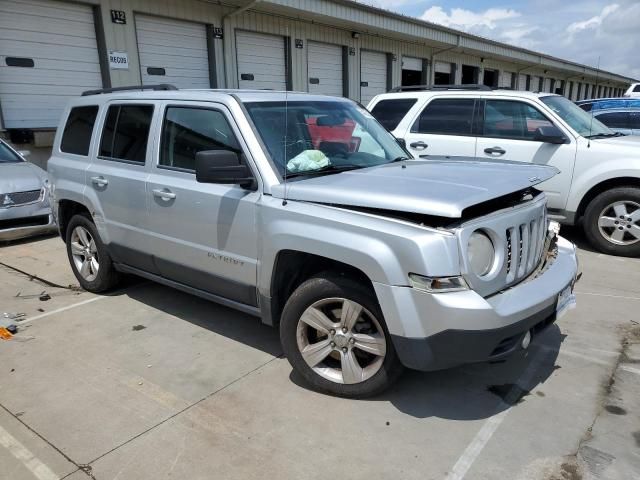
(84, 253)
(341, 340)
(619, 223)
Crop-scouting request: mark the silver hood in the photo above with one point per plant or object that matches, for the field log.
(20, 177)
(430, 187)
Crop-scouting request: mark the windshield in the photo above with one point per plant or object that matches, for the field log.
(582, 122)
(7, 155)
(322, 136)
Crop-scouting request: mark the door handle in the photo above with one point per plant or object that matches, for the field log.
(164, 194)
(496, 150)
(418, 145)
(99, 181)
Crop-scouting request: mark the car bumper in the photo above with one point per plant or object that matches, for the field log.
(26, 221)
(436, 331)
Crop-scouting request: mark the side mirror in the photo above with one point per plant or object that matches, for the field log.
(222, 166)
(402, 142)
(550, 134)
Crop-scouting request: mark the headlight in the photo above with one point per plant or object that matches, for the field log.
(481, 253)
(437, 284)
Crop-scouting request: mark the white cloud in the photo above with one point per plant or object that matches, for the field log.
(466, 19)
(594, 22)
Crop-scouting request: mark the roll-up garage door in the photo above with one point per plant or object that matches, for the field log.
(261, 61)
(325, 69)
(522, 82)
(172, 51)
(48, 54)
(373, 75)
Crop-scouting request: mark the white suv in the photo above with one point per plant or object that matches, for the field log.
(633, 90)
(599, 180)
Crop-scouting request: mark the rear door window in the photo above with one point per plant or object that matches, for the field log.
(446, 116)
(615, 119)
(391, 112)
(76, 136)
(126, 133)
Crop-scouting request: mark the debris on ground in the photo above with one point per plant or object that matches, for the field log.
(13, 316)
(5, 334)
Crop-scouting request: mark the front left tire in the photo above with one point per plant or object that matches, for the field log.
(334, 335)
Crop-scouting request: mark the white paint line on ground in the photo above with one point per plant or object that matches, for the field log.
(623, 297)
(626, 368)
(62, 309)
(28, 459)
(473, 450)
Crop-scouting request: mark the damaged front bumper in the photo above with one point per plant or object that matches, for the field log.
(447, 329)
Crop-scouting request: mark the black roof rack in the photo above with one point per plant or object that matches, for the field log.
(162, 86)
(415, 88)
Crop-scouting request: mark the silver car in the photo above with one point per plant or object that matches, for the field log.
(304, 211)
(24, 197)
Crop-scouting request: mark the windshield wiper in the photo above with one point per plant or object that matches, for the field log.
(327, 169)
(399, 159)
(605, 135)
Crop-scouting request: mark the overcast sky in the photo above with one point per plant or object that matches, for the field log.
(581, 31)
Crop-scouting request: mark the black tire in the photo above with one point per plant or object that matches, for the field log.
(327, 287)
(107, 276)
(592, 215)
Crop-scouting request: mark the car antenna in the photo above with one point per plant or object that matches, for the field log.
(591, 122)
(286, 112)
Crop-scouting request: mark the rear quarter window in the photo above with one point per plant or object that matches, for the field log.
(391, 112)
(76, 137)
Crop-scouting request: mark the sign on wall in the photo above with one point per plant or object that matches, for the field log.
(218, 32)
(119, 17)
(118, 60)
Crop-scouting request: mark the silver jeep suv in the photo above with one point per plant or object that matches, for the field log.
(302, 210)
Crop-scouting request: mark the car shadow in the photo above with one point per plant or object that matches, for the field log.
(575, 234)
(227, 322)
(477, 391)
(468, 392)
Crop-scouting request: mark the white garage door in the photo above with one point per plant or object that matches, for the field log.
(324, 63)
(172, 51)
(506, 79)
(48, 54)
(261, 61)
(522, 82)
(413, 64)
(373, 75)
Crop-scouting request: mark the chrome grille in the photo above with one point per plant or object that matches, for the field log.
(518, 235)
(524, 247)
(19, 198)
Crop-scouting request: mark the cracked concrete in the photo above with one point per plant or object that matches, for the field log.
(202, 392)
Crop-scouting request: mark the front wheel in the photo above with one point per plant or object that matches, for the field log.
(333, 334)
(612, 222)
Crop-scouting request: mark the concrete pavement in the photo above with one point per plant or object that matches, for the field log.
(151, 383)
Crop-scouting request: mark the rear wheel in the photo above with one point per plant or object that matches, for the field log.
(90, 261)
(612, 222)
(333, 334)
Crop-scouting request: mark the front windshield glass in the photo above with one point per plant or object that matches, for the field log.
(322, 136)
(581, 121)
(7, 155)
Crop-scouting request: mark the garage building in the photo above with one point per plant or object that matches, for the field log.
(51, 50)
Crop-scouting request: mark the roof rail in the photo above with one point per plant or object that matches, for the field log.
(414, 88)
(162, 86)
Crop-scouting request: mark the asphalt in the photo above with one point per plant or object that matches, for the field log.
(151, 383)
